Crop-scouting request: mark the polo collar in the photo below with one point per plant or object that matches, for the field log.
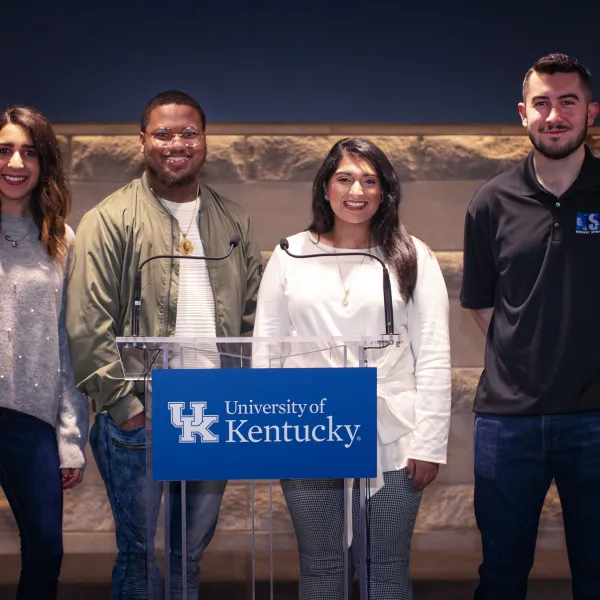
(587, 180)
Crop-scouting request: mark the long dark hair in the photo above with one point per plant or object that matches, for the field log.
(385, 230)
(51, 198)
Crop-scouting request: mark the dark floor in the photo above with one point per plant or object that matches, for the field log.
(423, 590)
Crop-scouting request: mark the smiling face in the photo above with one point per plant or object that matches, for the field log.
(178, 164)
(19, 165)
(557, 113)
(354, 191)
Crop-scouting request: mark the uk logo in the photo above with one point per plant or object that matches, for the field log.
(197, 424)
(587, 223)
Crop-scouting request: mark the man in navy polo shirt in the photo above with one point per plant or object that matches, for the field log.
(531, 259)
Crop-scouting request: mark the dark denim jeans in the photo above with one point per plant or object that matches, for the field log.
(30, 478)
(135, 502)
(516, 459)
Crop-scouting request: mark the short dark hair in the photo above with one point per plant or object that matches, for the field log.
(171, 97)
(561, 63)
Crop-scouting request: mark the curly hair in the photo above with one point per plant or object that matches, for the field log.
(50, 202)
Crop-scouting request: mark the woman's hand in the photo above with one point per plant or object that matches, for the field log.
(71, 477)
(422, 473)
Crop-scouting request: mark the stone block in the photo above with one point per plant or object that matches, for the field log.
(225, 159)
(277, 209)
(459, 460)
(86, 509)
(434, 211)
(467, 342)
(451, 157)
(450, 507)
(451, 264)
(285, 158)
(65, 150)
(106, 158)
(415, 158)
(235, 514)
(86, 195)
(278, 518)
(118, 158)
(464, 386)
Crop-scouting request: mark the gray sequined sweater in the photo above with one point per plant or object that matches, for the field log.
(35, 368)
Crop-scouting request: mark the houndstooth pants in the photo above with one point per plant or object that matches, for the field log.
(317, 510)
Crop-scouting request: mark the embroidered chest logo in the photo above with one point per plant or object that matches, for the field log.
(196, 424)
(587, 223)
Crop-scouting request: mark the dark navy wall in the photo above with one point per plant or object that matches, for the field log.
(374, 61)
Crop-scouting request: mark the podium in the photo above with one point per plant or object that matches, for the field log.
(253, 412)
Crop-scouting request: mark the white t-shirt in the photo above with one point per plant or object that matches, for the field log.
(196, 301)
(303, 298)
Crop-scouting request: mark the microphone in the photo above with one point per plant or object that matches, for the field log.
(387, 286)
(137, 289)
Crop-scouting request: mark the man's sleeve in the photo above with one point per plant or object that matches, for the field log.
(254, 270)
(479, 264)
(92, 315)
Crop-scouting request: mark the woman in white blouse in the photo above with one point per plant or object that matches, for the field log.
(356, 197)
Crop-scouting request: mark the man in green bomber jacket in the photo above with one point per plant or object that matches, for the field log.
(167, 211)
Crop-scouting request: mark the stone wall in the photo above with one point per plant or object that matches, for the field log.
(269, 171)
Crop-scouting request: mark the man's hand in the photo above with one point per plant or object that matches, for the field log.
(135, 422)
(422, 473)
(71, 477)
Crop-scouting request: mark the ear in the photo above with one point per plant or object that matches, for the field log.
(142, 142)
(523, 113)
(593, 110)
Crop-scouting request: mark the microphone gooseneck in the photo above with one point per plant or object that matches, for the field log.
(137, 288)
(387, 286)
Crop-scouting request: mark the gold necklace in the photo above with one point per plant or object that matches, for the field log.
(185, 245)
(346, 298)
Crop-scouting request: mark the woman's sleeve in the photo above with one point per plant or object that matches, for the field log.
(272, 314)
(428, 316)
(72, 419)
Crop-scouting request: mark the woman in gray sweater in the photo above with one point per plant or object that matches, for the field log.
(43, 418)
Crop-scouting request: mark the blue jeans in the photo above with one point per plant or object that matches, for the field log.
(135, 501)
(30, 478)
(516, 459)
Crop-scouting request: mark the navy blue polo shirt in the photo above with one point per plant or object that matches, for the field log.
(535, 259)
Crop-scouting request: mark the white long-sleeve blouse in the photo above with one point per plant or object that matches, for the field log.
(303, 298)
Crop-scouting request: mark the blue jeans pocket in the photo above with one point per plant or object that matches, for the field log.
(127, 467)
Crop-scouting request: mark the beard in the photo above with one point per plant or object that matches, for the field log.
(174, 180)
(559, 153)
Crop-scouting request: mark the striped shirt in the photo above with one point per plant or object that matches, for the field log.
(196, 301)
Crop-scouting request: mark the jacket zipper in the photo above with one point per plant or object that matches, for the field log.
(168, 309)
(134, 447)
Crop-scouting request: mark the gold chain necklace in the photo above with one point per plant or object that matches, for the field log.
(346, 298)
(186, 246)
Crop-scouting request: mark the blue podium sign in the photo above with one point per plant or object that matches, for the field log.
(264, 423)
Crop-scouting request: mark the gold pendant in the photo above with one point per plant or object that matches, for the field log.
(345, 301)
(186, 246)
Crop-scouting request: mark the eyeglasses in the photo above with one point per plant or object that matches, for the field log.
(189, 137)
